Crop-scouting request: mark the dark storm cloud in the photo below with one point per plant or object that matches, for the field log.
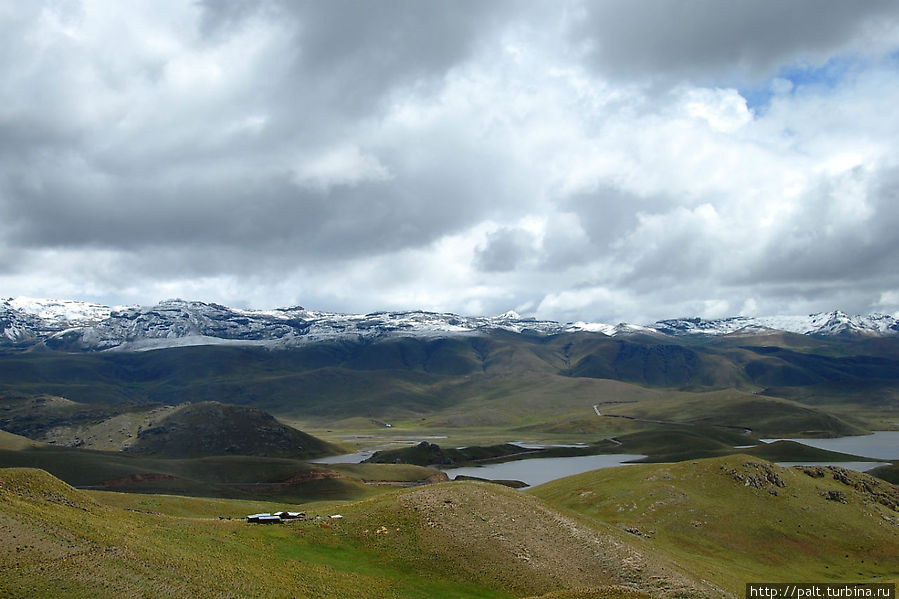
(471, 156)
(183, 181)
(254, 212)
(845, 231)
(609, 212)
(505, 250)
(703, 39)
(346, 55)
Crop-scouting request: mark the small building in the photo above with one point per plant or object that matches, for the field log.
(291, 515)
(264, 518)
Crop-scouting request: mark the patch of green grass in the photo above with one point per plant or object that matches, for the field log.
(188, 507)
(12, 442)
(730, 521)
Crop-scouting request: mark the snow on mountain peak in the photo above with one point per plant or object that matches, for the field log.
(67, 324)
(61, 310)
(822, 323)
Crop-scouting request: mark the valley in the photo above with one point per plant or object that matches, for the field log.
(111, 457)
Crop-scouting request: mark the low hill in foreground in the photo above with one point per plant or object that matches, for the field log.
(459, 540)
(691, 529)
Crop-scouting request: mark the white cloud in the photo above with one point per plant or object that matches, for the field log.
(723, 109)
(560, 161)
(345, 165)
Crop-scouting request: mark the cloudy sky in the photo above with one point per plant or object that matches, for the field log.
(608, 160)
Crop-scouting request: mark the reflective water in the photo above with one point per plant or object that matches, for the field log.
(536, 471)
(346, 458)
(882, 445)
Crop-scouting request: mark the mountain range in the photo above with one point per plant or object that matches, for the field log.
(81, 326)
(214, 425)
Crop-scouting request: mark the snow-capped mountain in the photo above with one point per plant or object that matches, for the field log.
(70, 311)
(72, 325)
(822, 324)
(172, 323)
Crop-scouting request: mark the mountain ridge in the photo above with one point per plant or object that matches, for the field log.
(83, 326)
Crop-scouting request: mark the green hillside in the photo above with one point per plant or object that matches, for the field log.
(13, 442)
(760, 415)
(213, 428)
(454, 540)
(738, 519)
(444, 379)
(692, 529)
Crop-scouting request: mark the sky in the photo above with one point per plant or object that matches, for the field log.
(609, 161)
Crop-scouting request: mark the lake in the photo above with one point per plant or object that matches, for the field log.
(882, 445)
(536, 471)
(346, 458)
(533, 471)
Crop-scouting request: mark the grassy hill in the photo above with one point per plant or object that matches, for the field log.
(691, 529)
(739, 518)
(42, 416)
(761, 415)
(213, 428)
(453, 540)
(188, 430)
(13, 442)
(887, 473)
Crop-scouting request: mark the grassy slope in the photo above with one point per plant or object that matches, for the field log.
(703, 515)
(13, 442)
(545, 404)
(66, 543)
(42, 416)
(686, 529)
(247, 477)
(551, 406)
(213, 428)
(887, 473)
(765, 416)
(450, 540)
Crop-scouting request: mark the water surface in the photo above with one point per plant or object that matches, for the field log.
(346, 458)
(882, 445)
(536, 471)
